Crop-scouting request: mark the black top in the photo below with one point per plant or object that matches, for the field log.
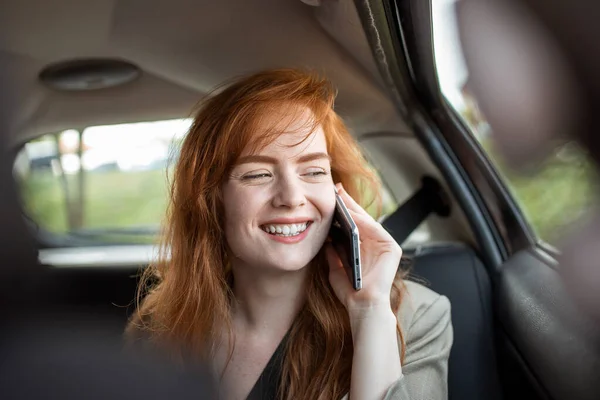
(267, 385)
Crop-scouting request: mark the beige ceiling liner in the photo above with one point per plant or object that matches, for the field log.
(184, 48)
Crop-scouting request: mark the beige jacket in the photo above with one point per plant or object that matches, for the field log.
(425, 320)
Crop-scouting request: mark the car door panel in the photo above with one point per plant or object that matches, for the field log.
(548, 331)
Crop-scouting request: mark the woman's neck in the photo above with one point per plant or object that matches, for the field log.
(266, 303)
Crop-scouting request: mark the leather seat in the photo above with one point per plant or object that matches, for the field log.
(456, 272)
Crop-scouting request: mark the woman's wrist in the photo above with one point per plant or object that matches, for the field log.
(369, 308)
(379, 316)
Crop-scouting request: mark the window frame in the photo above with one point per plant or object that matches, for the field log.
(507, 224)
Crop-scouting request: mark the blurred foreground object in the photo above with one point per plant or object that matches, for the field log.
(535, 71)
(40, 361)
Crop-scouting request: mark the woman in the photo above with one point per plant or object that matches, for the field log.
(247, 278)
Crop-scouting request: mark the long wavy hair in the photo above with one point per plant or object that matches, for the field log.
(184, 299)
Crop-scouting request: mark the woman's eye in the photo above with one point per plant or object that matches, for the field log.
(315, 173)
(256, 176)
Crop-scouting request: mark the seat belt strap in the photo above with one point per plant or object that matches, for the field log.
(430, 198)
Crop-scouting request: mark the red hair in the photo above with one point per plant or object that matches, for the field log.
(185, 296)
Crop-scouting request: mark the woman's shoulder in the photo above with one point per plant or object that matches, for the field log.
(422, 308)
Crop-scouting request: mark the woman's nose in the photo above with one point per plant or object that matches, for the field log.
(289, 193)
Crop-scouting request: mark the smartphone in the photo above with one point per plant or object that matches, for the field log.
(346, 240)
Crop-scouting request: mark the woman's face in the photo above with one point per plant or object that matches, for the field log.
(279, 202)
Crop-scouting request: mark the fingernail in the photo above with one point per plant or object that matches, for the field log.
(339, 186)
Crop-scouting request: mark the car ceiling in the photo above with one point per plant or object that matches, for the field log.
(184, 48)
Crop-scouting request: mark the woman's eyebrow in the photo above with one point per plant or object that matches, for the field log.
(257, 158)
(313, 156)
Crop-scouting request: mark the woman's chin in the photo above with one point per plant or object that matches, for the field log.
(288, 265)
(291, 267)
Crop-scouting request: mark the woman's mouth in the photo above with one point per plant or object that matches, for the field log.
(286, 230)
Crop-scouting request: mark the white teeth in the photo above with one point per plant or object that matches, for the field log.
(285, 230)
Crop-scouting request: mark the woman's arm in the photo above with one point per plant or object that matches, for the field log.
(376, 363)
(424, 375)
(377, 372)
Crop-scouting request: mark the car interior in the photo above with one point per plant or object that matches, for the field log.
(170, 54)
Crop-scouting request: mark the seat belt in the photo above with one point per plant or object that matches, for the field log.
(430, 198)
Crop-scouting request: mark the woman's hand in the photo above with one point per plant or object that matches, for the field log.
(380, 258)
(376, 360)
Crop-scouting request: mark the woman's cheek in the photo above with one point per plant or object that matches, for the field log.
(324, 199)
(240, 201)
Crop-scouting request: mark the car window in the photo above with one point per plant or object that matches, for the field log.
(105, 184)
(558, 191)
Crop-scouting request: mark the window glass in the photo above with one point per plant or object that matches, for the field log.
(105, 184)
(560, 190)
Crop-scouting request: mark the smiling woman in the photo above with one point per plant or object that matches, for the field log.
(123, 193)
(289, 183)
(247, 280)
